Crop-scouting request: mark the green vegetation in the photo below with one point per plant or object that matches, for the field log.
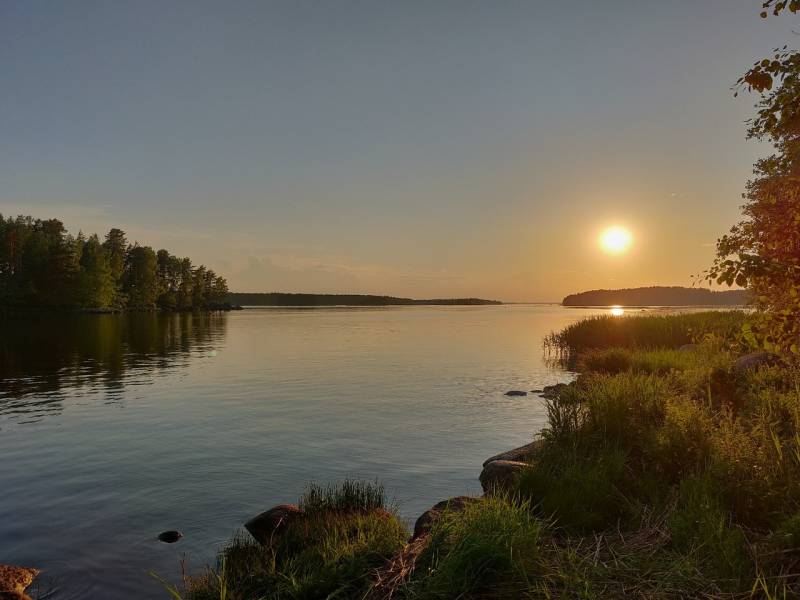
(278, 299)
(41, 265)
(647, 331)
(488, 550)
(658, 296)
(332, 552)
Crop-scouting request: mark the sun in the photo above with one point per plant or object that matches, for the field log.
(615, 240)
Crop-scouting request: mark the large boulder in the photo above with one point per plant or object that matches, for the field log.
(524, 453)
(754, 360)
(270, 522)
(14, 580)
(501, 475)
(430, 516)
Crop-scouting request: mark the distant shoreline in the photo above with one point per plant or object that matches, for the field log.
(310, 300)
(665, 296)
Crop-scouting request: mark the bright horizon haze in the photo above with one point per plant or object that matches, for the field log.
(414, 149)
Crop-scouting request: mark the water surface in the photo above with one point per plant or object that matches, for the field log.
(114, 428)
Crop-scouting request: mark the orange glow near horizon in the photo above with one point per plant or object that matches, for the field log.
(615, 240)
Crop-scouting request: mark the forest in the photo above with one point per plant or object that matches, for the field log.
(658, 296)
(44, 266)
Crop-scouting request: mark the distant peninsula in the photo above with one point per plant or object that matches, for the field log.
(282, 299)
(658, 296)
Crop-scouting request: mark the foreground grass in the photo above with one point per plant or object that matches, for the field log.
(347, 532)
(664, 473)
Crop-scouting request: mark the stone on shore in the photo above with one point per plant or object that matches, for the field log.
(266, 524)
(516, 393)
(751, 361)
(14, 580)
(430, 516)
(687, 348)
(551, 392)
(524, 453)
(501, 475)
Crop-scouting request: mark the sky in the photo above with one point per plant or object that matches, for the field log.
(422, 149)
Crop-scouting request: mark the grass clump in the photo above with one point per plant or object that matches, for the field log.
(490, 550)
(332, 552)
(344, 496)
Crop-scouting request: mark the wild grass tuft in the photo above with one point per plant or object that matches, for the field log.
(489, 550)
(332, 552)
(344, 496)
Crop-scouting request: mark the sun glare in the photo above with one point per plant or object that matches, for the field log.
(615, 240)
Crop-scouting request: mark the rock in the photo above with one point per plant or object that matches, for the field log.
(14, 580)
(537, 391)
(501, 475)
(516, 393)
(551, 392)
(429, 517)
(751, 361)
(524, 453)
(169, 537)
(263, 526)
(687, 348)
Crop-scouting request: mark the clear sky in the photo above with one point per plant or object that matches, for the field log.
(421, 149)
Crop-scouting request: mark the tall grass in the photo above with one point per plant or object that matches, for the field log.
(644, 331)
(332, 552)
(647, 428)
(490, 550)
(347, 495)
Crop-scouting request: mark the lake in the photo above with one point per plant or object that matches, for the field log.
(114, 428)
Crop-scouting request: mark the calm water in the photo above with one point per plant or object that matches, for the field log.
(115, 428)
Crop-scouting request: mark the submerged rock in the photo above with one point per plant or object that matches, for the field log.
(430, 516)
(14, 580)
(266, 524)
(169, 537)
(516, 393)
(501, 475)
(524, 453)
(751, 361)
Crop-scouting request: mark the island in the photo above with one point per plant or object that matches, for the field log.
(286, 299)
(658, 296)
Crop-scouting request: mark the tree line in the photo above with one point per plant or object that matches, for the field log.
(658, 296)
(42, 265)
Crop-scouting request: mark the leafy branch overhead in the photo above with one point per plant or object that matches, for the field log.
(762, 252)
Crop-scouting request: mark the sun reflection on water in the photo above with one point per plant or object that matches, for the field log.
(617, 311)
